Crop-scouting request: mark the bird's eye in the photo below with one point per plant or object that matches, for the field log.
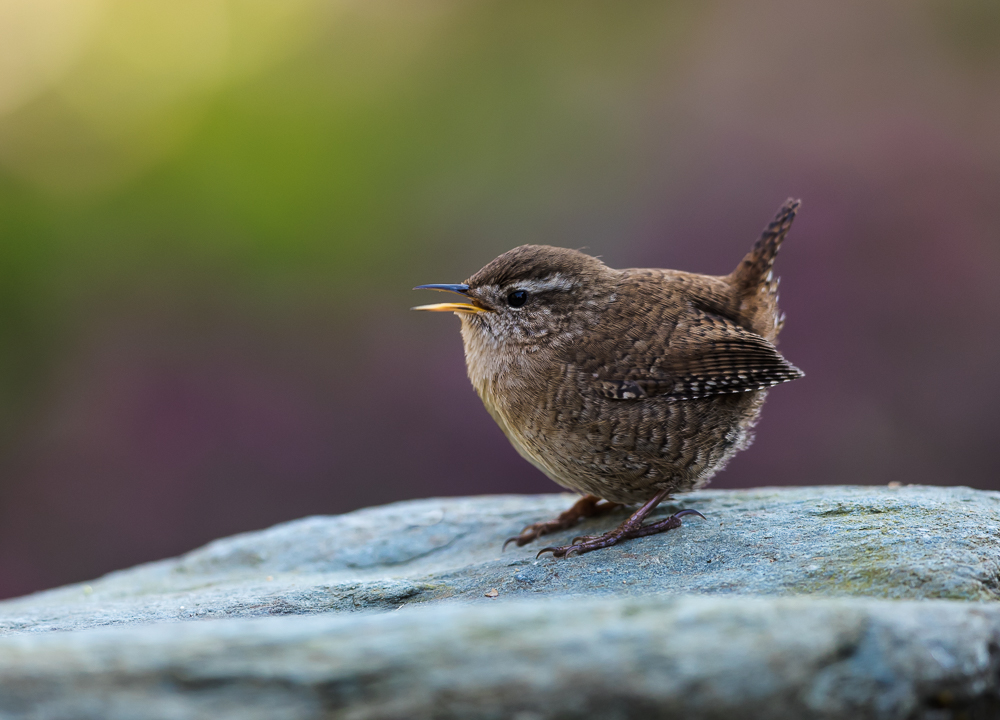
(517, 298)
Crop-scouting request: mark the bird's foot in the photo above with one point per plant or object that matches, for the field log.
(586, 507)
(626, 531)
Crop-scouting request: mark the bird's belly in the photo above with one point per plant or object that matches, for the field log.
(627, 451)
(499, 417)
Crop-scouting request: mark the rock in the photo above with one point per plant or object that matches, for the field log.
(795, 602)
(650, 657)
(910, 542)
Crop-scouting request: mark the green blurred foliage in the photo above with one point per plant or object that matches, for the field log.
(293, 149)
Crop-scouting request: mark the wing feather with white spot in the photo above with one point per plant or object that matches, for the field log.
(717, 357)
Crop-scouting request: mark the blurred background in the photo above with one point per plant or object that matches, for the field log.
(212, 213)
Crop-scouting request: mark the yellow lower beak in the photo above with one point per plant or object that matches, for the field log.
(451, 307)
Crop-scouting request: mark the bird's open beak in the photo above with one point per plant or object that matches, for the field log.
(450, 307)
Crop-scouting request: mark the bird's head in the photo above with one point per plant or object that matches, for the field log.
(530, 297)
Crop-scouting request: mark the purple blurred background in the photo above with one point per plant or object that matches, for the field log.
(213, 213)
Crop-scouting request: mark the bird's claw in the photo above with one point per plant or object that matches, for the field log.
(585, 507)
(688, 511)
(522, 539)
(532, 532)
(557, 552)
(589, 543)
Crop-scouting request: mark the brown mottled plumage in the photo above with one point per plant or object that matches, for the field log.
(625, 385)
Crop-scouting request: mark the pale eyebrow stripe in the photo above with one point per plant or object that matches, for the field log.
(553, 282)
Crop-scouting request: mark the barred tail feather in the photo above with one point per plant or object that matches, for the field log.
(755, 269)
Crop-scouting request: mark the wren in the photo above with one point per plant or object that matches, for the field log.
(624, 385)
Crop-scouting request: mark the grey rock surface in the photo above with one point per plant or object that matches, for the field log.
(795, 602)
(653, 657)
(909, 542)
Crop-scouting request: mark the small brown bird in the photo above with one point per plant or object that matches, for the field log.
(624, 385)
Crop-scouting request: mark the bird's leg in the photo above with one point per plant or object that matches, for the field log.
(631, 528)
(586, 507)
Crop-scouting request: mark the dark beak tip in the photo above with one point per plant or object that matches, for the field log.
(455, 288)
